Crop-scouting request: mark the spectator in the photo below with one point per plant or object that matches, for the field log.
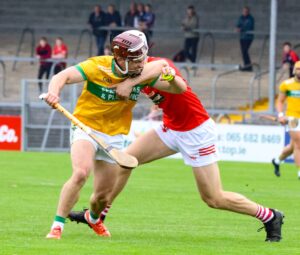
(107, 50)
(289, 58)
(190, 23)
(60, 51)
(147, 21)
(97, 20)
(113, 20)
(43, 52)
(139, 16)
(179, 56)
(130, 15)
(246, 24)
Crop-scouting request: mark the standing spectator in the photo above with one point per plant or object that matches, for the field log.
(130, 15)
(43, 52)
(113, 20)
(190, 23)
(60, 51)
(97, 20)
(289, 58)
(246, 24)
(147, 21)
(139, 16)
(107, 51)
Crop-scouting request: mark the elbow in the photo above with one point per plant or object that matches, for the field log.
(183, 88)
(163, 63)
(61, 77)
(180, 88)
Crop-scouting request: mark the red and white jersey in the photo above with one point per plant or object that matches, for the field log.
(181, 112)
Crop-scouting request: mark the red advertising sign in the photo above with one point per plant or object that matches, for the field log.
(10, 132)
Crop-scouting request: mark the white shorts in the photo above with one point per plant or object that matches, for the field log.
(116, 141)
(197, 146)
(291, 127)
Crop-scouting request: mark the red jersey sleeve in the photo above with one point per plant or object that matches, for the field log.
(294, 56)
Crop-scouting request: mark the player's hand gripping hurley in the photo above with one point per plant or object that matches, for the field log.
(122, 158)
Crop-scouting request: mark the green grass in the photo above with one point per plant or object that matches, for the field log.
(159, 212)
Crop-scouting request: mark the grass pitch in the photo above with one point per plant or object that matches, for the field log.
(159, 212)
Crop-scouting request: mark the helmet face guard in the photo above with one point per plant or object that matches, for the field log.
(130, 46)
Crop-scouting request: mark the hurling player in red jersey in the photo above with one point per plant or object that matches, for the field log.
(188, 129)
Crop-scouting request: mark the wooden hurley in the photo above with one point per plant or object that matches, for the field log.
(291, 121)
(122, 158)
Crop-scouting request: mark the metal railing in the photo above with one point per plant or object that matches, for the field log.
(257, 77)
(233, 70)
(36, 125)
(89, 34)
(219, 114)
(184, 67)
(84, 30)
(31, 32)
(212, 46)
(25, 31)
(3, 77)
(5, 59)
(263, 50)
(214, 84)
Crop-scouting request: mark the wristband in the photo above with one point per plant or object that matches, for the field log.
(167, 77)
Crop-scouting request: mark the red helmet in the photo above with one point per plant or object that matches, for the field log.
(130, 45)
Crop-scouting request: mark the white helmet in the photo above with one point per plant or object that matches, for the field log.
(130, 45)
(141, 35)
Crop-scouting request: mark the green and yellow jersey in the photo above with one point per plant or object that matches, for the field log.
(98, 105)
(291, 88)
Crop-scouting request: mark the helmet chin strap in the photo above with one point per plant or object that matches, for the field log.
(120, 69)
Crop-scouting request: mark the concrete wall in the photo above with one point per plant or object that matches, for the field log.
(214, 14)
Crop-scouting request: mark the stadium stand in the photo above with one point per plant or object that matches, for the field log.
(69, 18)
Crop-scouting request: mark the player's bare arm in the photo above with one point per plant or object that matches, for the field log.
(154, 70)
(170, 82)
(68, 76)
(280, 106)
(150, 71)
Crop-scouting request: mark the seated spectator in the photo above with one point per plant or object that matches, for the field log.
(113, 20)
(97, 20)
(147, 21)
(289, 58)
(190, 23)
(60, 51)
(43, 52)
(130, 15)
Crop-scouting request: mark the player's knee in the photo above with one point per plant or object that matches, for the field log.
(102, 196)
(80, 177)
(214, 202)
(297, 145)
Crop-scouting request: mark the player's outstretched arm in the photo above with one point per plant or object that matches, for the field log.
(151, 71)
(58, 81)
